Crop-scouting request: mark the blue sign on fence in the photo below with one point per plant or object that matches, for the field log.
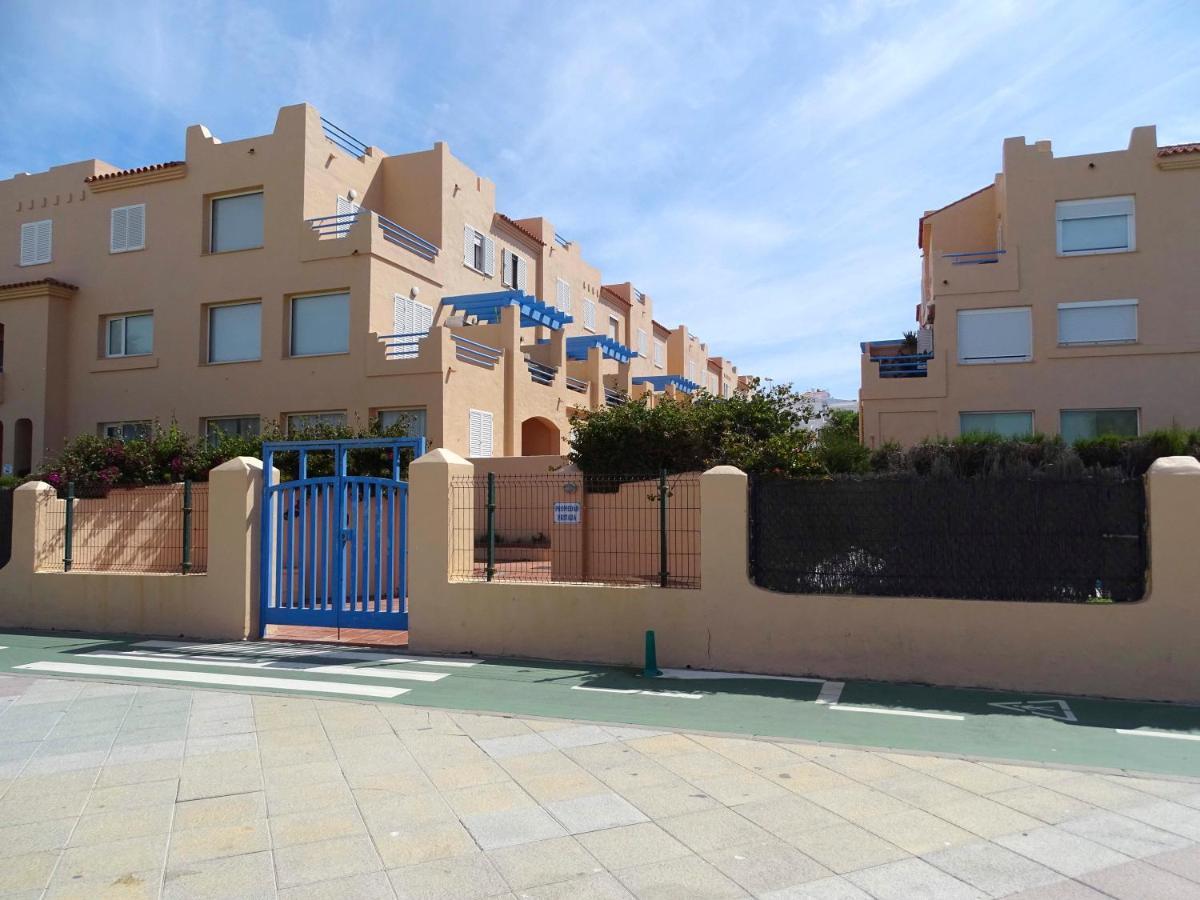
(566, 514)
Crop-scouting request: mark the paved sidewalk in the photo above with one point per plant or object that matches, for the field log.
(138, 791)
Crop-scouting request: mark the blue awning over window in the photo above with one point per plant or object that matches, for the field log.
(577, 348)
(487, 308)
(660, 382)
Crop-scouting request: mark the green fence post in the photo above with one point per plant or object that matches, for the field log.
(651, 670)
(664, 571)
(491, 526)
(187, 526)
(70, 524)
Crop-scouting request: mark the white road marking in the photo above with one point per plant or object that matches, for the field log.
(897, 712)
(3, 648)
(703, 675)
(271, 665)
(248, 681)
(1046, 709)
(1141, 732)
(831, 692)
(679, 695)
(296, 651)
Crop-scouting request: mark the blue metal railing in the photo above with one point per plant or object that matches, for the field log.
(343, 139)
(560, 240)
(541, 374)
(475, 353)
(915, 365)
(639, 296)
(403, 346)
(402, 237)
(334, 226)
(577, 384)
(975, 258)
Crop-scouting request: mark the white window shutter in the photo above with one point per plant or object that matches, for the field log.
(118, 238)
(468, 246)
(504, 267)
(589, 315)
(563, 295)
(480, 436)
(521, 269)
(486, 443)
(45, 237)
(136, 227)
(410, 317)
(36, 239)
(489, 256)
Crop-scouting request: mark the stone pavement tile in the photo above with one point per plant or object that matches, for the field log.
(37, 837)
(467, 877)
(337, 858)
(1125, 835)
(304, 773)
(132, 796)
(1138, 881)
(921, 790)
(1185, 863)
(1047, 805)
(100, 828)
(595, 812)
(488, 798)
(845, 848)
(481, 728)
(766, 865)
(42, 808)
(664, 745)
(699, 764)
(1062, 890)
(514, 745)
(70, 746)
(835, 888)
(407, 845)
(139, 772)
(1064, 852)
(577, 736)
(805, 777)
(913, 878)
(632, 845)
(307, 828)
(114, 858)
(689, 878)
(601, 886)
(975, 777)
(674, 798)
(637, 772)
(789, 815)
(543, 862)
(857, 803)
(138, 753)
(372, 886)
(467, 775)
(220, 725)
(282, 742)
(983, 816)
(216, 781)
(991, 868)
(1158, 787)
(126, 886)
(712, 829)
(393, 811)
(41, 786)
(628, 733)
(222, 743)
(246, 877)
(597, 758)
(212, 811)
(1167, 815)
(300, 797)
(540, 725)
(130, 737)
(518, 826)
(917, 831)
(66, 762)
(752, 754)
(743, 787)
(216, 841)
(548, 788)
(1099, 791)
(29, 872)
(861, 765)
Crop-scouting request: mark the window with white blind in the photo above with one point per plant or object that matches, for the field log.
(479, 251)
(995, 335)
(1104, 225)
(643, 343)
(235, 332)
(589, 315)
(660, 355)
(320, 325)
(127, 228)
(237, 222)
(413, 420)
(1004, 424)
(691, 370)
(614, 328)
(1098, 322)
(562, 295)
(37, 239)
(513, 270)
(129, 335)
(298, 422)
(480, 439)
(1078, 424)
(409, 318)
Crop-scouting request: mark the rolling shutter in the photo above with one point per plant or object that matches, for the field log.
(1097, 323)
(995, 335)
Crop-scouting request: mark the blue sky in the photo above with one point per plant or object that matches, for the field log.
(758, 167)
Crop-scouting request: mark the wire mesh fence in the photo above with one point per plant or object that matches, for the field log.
(568, 527)
(1078, 540)
(141, 530)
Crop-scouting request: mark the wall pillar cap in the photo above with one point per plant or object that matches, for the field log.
(239, 464)
(440, 455)
(40, 486)
(726, 470)
(1175, 465)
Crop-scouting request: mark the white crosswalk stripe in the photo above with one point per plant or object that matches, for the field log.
(271, 665)
(274, 649)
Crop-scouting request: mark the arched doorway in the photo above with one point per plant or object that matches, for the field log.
(539, 437)
(23, 447)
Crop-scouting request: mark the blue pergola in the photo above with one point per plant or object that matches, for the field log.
(578, 347)
(660, 382)
(486, 307)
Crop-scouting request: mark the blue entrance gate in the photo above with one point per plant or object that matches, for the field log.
(334, 546)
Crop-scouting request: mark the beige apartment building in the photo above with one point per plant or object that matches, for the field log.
(302, 276)
(1063, 298)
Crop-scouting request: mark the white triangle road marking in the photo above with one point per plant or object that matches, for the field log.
(1047, 709)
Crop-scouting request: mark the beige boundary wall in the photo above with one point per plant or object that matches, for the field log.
(1143, 650)
(221, 604)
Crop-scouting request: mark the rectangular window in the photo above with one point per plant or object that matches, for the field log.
(1077, 424)
(413, 420)
(235, 332)
(237, 222)
(1103, 225)
(691, 370)
(589, 315)
(643, 343)
(299, 422)
(995, 335)
(231, 426)
(480, 440)
(320, 325)
(513, 270)
(1097, 322)
(479, 251)
(125, 431)
(409, 318)
(660, 355)
(129, 335)
(1005, 424)
(614, 328)
(562, 295)
(127, 228)
(37, 239)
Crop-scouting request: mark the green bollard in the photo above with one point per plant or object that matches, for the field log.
(651, 670)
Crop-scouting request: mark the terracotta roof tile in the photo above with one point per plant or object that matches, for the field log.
(1172, 149)
(605, 289)
(49, 282)
(91, 179)
(525, 231)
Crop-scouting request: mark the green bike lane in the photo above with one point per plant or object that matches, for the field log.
(1020, 727)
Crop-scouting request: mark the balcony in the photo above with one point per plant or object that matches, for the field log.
(338, 227)
(891, 362)
(971, 272)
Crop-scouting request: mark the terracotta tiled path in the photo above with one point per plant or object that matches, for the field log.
(122, 790)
